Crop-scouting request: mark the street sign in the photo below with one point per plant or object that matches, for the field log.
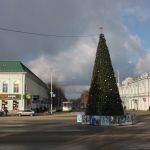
(54, 95)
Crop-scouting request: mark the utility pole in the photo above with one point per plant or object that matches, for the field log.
(51, 106)
(118, 77)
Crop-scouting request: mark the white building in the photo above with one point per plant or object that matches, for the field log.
(135, 93)
(20, 88)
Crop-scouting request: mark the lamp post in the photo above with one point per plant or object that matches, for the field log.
(51, 88)
(118, 76)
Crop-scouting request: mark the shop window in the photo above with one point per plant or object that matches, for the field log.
(4, 104)
(16, 87)
(5, 87)
(15, 105)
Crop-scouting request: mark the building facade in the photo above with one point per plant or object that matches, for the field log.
(135, 93)
(20, 88)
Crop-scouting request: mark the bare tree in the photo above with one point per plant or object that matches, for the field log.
(59, 92)
(84, 97)
(76, 102)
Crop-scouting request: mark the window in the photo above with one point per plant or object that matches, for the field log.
(16, 87)
(5, 87)
(3, 67)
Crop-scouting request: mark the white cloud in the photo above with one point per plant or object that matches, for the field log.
(141, 13)
(74, 63)
(74, 55)
(78, 60)
(75, 91)
(142, 64)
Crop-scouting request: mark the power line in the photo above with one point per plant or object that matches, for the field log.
(44, 34)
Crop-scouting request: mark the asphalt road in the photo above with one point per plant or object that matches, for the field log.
(62, 132)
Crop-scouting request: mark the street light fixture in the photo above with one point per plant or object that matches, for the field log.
(118, 76)
(51, 88)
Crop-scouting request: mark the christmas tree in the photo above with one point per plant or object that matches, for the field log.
(104, 98)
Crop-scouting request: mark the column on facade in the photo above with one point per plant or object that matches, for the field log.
(10, 105)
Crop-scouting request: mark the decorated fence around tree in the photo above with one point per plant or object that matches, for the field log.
(95, 120)
(104, 105)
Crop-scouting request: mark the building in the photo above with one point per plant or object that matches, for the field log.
(135, 93)
(20, 88)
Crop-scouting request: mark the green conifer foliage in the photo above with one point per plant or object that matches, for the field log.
(104, 98)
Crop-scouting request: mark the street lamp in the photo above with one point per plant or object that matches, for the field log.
(51, 88)
(118, 76)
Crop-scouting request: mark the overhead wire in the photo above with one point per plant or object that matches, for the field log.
(52, 35)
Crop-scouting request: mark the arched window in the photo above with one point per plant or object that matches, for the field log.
(5, 87)
(16, 87)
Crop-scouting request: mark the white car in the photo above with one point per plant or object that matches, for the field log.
(27, 112)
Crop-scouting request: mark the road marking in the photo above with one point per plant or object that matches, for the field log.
(12, 131)
(11, 125)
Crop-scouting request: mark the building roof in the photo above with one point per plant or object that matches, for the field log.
(16, 66)
(11, 66)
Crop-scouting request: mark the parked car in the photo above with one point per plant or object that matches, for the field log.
(27, 112)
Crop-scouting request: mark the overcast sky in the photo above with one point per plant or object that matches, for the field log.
(69, 37)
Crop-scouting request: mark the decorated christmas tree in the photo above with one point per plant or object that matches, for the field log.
(104, 98)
